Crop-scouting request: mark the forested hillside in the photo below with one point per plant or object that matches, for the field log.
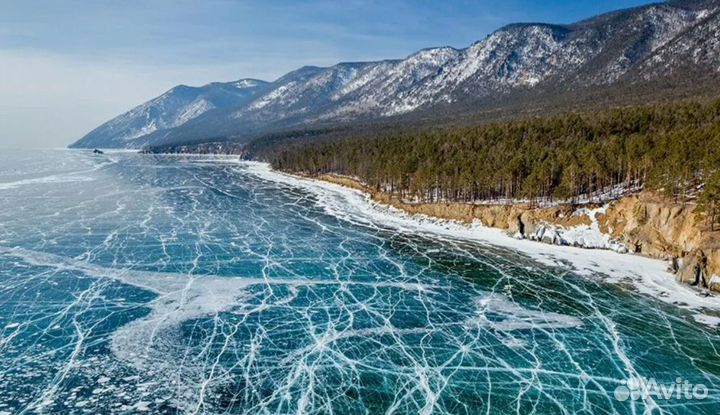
(673, 148)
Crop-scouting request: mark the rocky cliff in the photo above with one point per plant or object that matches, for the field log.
(643, 223)
(662, 228)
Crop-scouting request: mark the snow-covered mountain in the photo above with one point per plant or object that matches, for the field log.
(170, 110)
(633, 45)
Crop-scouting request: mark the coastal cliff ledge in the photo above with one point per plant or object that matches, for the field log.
(643, 223)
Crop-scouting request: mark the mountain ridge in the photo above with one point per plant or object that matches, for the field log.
(631, 46)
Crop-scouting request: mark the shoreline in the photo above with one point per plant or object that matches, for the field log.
(691, 253)
(648, 276)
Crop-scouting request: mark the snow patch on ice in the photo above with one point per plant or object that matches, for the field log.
(497, 313)
(54, 179)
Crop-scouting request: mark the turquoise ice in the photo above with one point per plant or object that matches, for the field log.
(184, 285)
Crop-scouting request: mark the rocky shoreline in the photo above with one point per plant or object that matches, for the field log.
(643, 223)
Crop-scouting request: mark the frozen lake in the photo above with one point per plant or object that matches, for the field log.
(170, 284)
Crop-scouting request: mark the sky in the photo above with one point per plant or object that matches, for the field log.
(68, 66)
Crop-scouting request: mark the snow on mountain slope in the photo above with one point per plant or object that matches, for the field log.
(644, 43)
(514, 56)
(171, 109)
(615, 47)
(392, 86)
(698, 48)
(301, 95)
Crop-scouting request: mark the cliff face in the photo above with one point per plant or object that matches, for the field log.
(661, 228)
(645, 224)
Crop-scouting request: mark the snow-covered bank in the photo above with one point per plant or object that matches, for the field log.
(647, 275)
(580, 235)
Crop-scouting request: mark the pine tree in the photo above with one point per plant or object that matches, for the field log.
(709, 200)
(672, 148)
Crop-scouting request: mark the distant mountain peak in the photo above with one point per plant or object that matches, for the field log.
(170, 110)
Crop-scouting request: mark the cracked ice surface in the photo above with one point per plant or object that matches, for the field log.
(133, 283)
